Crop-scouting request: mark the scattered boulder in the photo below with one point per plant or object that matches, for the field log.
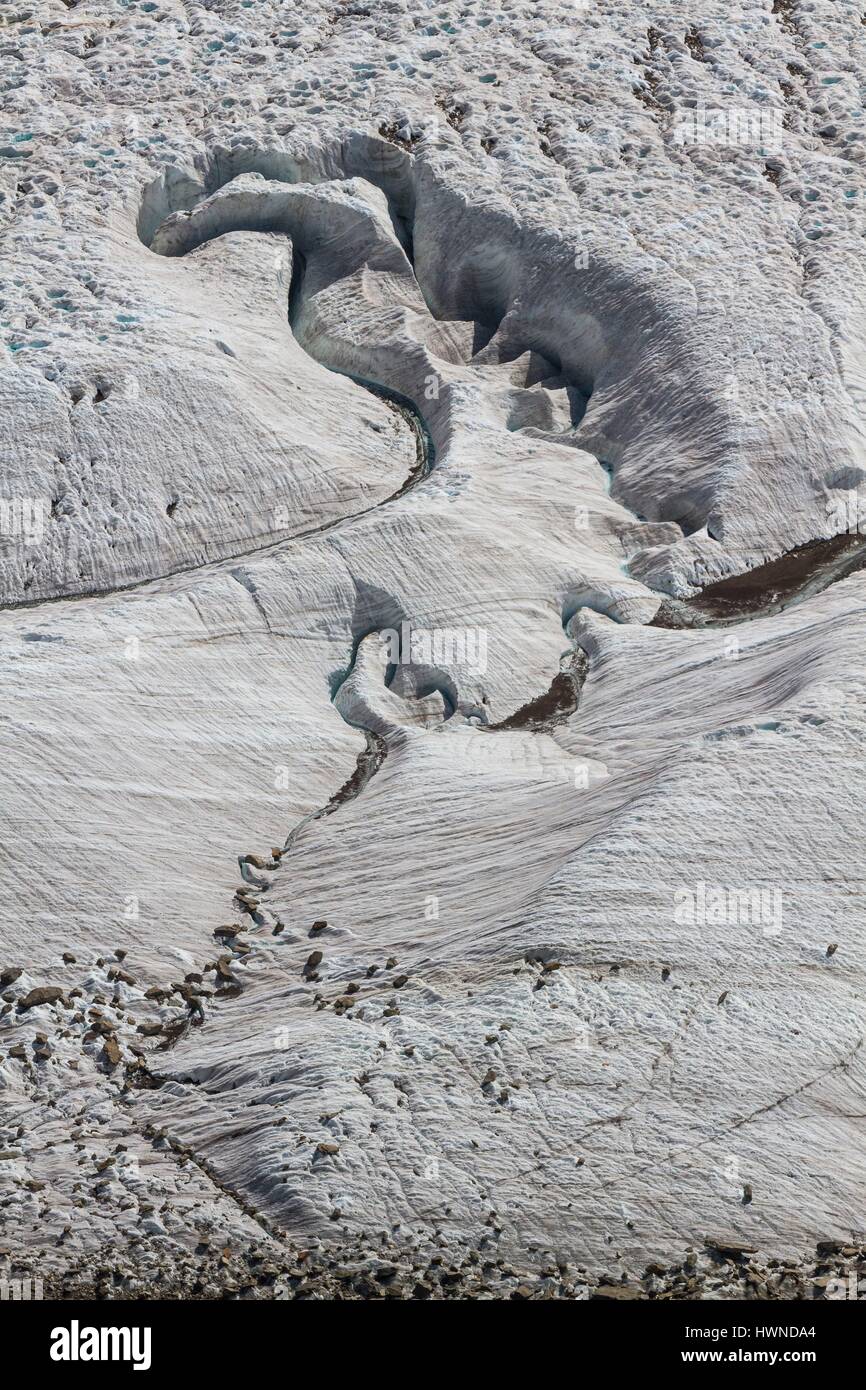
(313, 960)
(729, 1249)
(43, 994)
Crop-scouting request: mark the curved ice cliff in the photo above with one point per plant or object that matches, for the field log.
(433, 671)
